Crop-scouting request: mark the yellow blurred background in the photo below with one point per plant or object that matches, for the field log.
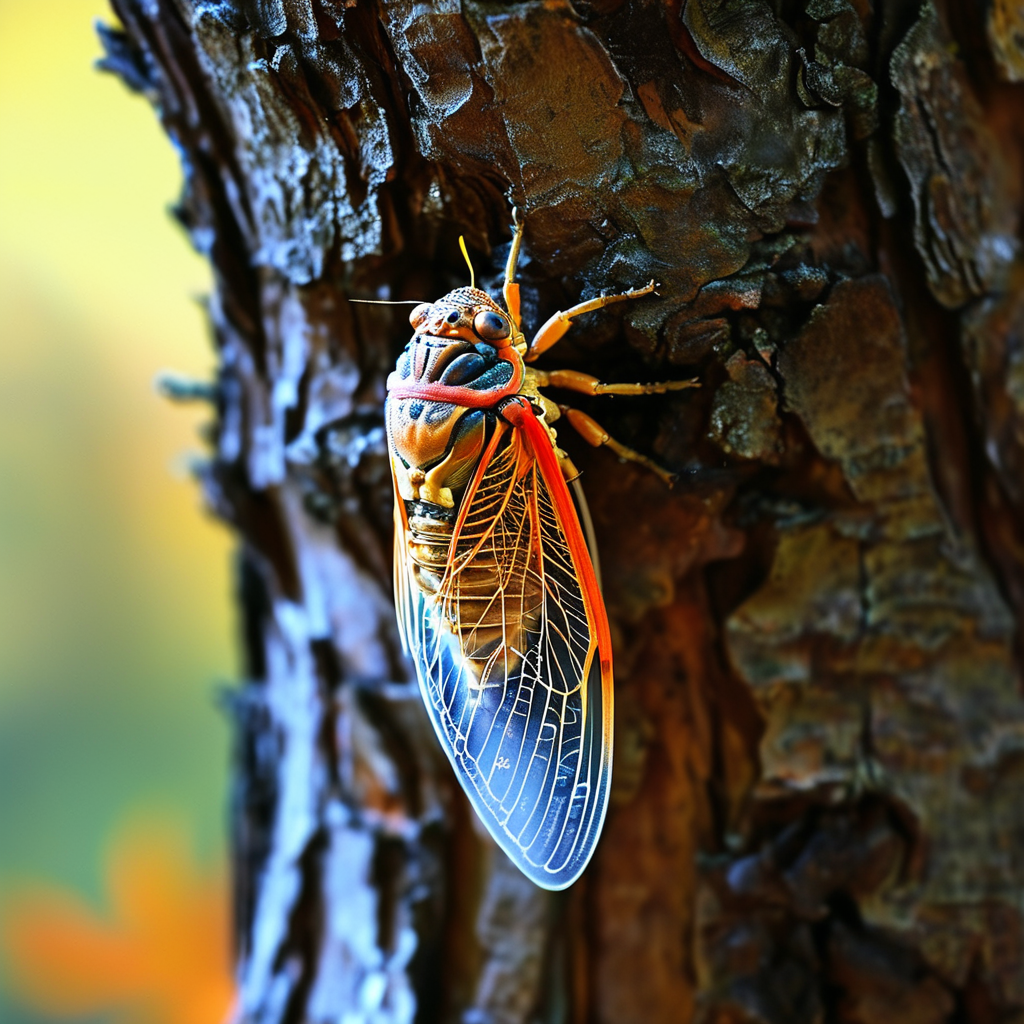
(115, 625)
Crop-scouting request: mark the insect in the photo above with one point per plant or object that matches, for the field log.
(498, 600)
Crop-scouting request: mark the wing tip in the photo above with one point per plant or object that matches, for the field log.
(559, 881)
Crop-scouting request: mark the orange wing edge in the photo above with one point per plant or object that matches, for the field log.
(520, 414)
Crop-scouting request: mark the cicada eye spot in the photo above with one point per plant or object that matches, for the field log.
(453, 316)
(419, 314)
(490, 326)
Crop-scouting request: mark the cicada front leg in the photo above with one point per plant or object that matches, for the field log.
(510, 291)
(555, 328)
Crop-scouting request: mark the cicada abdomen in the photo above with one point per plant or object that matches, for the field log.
(498, 602)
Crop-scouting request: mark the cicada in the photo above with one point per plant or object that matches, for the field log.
(499, 603)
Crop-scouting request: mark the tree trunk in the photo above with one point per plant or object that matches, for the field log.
(817, 811)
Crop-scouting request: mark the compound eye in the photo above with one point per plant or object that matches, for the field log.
(490, 326)
(419, 314)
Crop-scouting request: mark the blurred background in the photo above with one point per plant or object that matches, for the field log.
(115, 622)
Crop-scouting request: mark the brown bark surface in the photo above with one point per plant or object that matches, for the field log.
(817, 811)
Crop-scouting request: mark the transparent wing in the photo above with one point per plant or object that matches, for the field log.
(514, 660)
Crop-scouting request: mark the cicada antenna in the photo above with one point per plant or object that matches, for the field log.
(465, 256)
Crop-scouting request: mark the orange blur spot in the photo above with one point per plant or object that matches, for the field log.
(160, 954)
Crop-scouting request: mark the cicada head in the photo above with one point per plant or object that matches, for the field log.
(460, 361)
(466, 313)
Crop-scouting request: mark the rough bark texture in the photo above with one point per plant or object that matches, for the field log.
(817, 813)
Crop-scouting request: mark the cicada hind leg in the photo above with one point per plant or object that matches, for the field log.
(594, 434)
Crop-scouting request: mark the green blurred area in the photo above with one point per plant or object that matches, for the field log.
(115, 626)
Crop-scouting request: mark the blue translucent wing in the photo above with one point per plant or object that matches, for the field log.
(507, 654)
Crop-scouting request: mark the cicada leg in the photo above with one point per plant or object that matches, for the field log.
(585, 384)
(556, 327)
(593, 433)
(511, 289)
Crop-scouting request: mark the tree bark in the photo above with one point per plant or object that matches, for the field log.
(817, 810)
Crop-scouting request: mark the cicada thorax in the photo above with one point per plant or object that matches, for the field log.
(436, 448)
